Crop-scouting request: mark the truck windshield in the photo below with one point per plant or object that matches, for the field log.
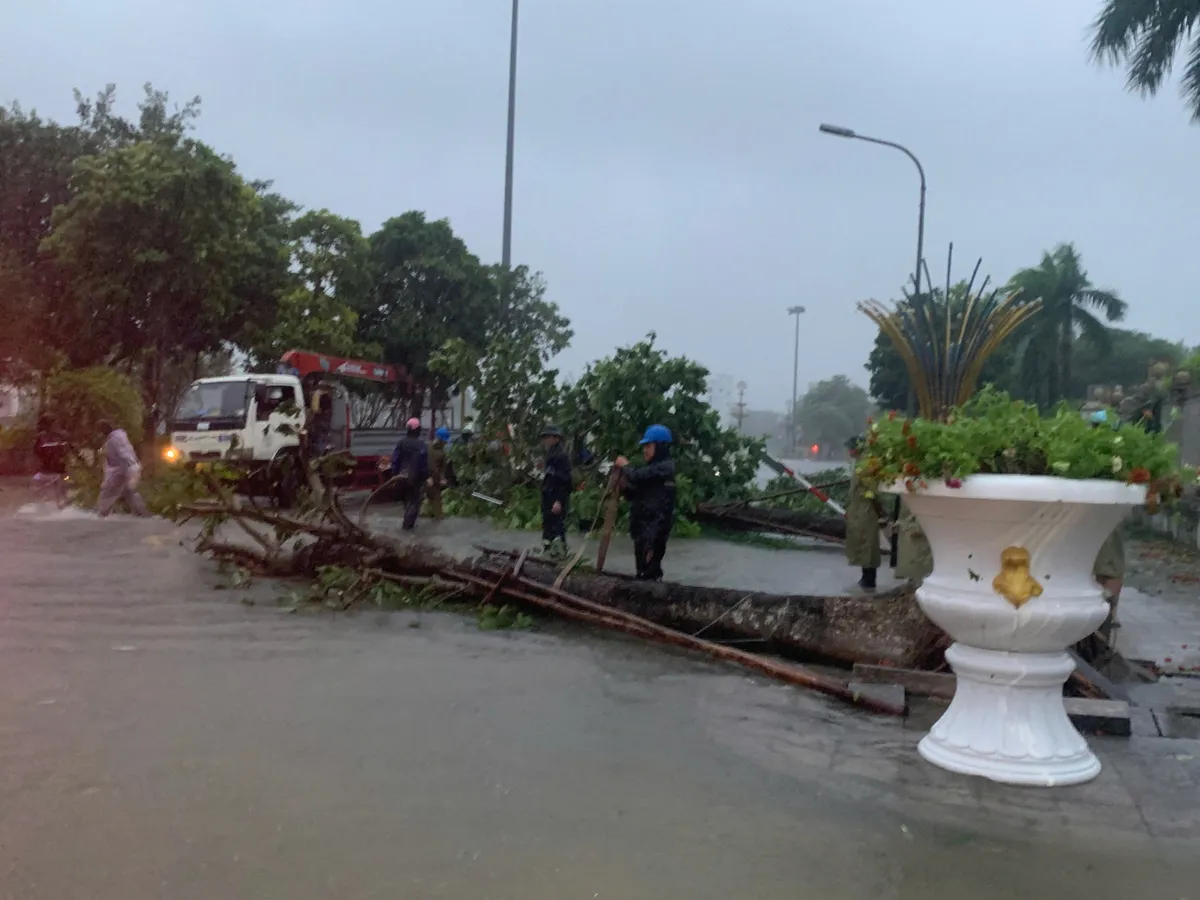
(214, 400)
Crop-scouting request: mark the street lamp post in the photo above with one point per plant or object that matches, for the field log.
(796, 311)
(838, 131)
(506, 245)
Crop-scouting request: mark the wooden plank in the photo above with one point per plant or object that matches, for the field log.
(1088, 673)
(1099, 716)
(923, 684)
(612, 499)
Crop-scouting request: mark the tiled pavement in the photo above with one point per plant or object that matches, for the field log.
(1148, 790)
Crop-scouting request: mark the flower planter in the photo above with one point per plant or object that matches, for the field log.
(1012, 585)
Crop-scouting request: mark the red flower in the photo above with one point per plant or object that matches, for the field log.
(1139, 476)
(953, 482)
(912, 441)
(912, 469)
(906, 427)
(892, 416)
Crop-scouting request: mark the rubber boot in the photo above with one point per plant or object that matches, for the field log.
(867, 582)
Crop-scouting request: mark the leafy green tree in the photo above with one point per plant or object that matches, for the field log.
(330, 286)
(78, 399)
(1125, 362)
(516, 392)
(37, 160)
(427, 289)
(169, 252)
(1145, 36)
(616, 398)
(832, 411)
(1071, 307)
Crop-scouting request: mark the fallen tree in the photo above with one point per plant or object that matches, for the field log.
(742, 516)
(278, 544)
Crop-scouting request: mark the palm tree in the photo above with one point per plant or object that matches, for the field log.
(1145, 36)
(1070, 307)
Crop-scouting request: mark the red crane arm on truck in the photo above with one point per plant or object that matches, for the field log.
(306, 363)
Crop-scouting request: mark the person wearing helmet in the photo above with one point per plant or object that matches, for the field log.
(439, 467)
(557, 484)
(863, 513)
(650, 490)
(410, 466)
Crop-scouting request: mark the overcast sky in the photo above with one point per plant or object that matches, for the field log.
(669, 174)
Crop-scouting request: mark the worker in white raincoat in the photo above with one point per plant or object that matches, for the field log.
(122, 473)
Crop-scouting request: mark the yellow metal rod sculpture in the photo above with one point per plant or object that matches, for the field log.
(945, 342)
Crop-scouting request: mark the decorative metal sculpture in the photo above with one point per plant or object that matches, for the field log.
(945, 342)
(1014, 582)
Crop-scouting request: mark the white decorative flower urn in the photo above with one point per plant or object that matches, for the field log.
(1012, 585)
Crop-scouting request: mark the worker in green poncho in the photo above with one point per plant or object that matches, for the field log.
(863, 514)
(914, 558)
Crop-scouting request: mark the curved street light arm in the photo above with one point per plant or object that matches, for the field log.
(901, 148)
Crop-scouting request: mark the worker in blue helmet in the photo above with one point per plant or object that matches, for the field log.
(650, 490)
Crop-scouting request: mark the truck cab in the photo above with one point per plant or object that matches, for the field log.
(238, 417)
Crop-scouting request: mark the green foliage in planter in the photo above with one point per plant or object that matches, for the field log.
(996, 434)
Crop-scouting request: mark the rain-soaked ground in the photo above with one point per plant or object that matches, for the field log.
(160, 738)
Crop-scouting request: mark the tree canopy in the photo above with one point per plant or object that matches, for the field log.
(168, 251)
(831, 412)
(1145, 36)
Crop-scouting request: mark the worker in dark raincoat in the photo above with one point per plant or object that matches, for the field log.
(410, 465)
(439, 472)
(650, 490)
(862, 523)
(557, 484)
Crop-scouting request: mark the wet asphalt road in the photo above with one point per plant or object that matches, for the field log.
(160, 738)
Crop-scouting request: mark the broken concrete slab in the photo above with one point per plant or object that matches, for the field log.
(1142, 722)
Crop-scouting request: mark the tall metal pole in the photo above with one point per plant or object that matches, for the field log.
(506, 246)
(796, 311)
(838, 131)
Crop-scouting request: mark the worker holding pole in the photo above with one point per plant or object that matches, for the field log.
(650, 490)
